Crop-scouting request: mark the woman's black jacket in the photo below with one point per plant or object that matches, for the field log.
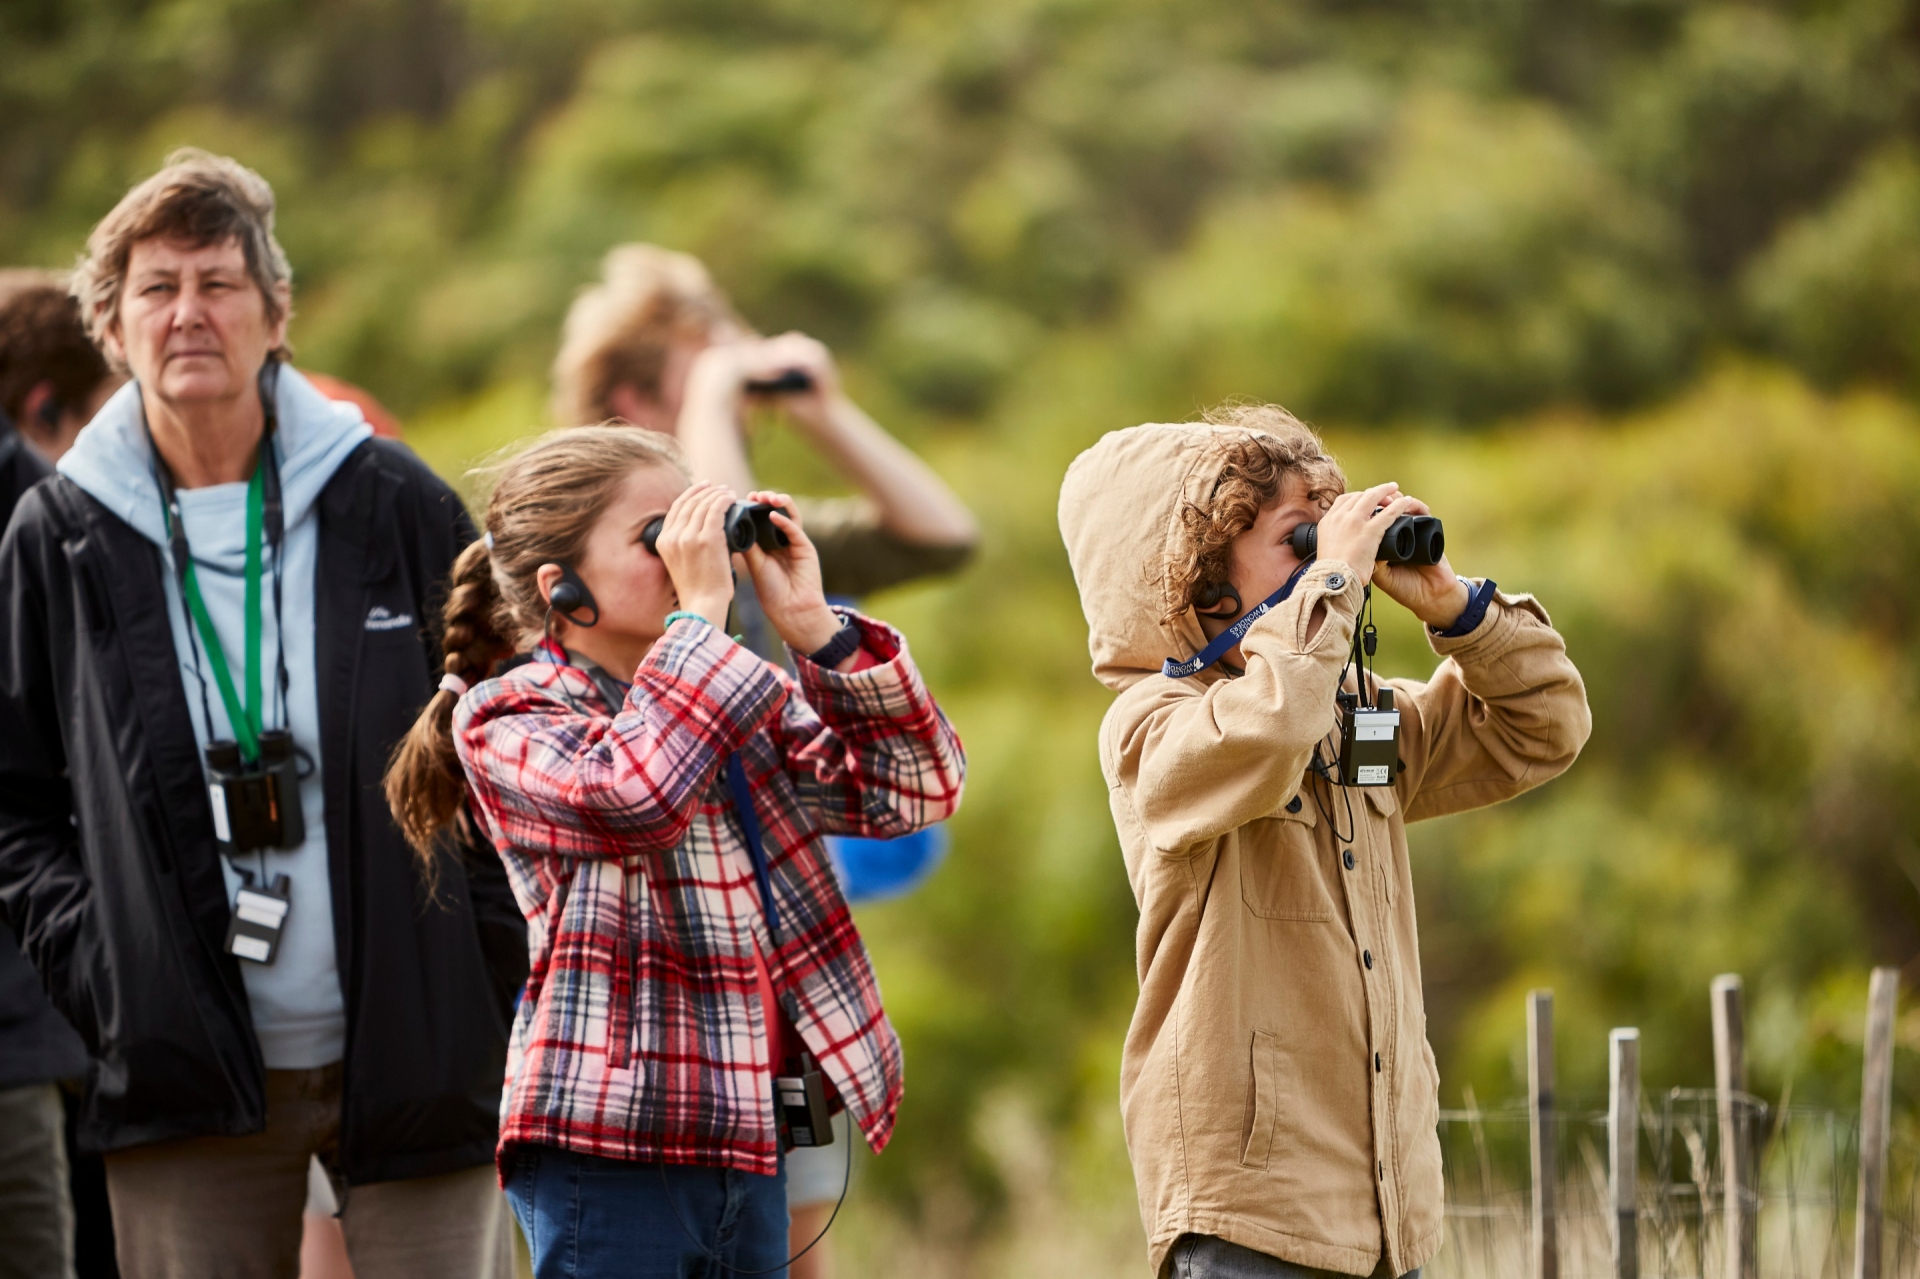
(109, 869)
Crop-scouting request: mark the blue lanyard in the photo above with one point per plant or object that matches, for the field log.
(1226, 639)
(750, 826)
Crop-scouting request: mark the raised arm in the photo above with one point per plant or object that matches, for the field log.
(914, 504)
(549, 775)
(1504, 713)
(1196, 765)
(867, 748)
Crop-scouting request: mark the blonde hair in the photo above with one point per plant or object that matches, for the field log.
(197, 197)
(545, 502)
(1255, 463)
(620, 330)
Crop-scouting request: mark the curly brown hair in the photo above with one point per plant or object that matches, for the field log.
(1271, 446)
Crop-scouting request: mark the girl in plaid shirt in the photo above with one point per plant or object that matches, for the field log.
(675, 969)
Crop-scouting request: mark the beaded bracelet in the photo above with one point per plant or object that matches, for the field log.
(677, 614)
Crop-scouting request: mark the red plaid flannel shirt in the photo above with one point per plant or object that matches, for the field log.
(642, 1035)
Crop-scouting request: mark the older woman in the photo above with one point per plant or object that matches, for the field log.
(218, 628)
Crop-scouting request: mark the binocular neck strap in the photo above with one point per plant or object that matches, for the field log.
(1217, 648)
(244, 717)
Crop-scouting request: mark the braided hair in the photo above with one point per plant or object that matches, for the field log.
(545, 502)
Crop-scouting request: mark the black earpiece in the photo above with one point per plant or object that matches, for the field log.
(570, 595)
(50, 413)
(1208, 602)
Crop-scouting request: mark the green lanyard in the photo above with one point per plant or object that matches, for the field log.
(245, 719)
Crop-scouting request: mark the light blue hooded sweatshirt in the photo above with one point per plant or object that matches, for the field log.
(299, 1011)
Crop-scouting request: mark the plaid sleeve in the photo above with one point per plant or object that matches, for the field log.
(869, 751)
(549, 774)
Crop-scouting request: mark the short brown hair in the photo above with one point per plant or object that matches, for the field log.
(43, 340)
(1255, 463)
(197, 197)
(619, 330)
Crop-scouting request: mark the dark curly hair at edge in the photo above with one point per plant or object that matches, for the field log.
(1254, 470)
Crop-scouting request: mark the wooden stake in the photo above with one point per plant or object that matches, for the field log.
(1876, 1101)
(1540, 1124)
(1736, 1150)
(1623, 1149)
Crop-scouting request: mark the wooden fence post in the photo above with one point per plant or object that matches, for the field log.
(1876, 1100)
(1736, 1150)
(1540, 1126)
(1623, 1148)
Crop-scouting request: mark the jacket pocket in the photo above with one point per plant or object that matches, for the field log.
(1280, 872)
(1263, 1100)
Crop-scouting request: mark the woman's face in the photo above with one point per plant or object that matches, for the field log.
(629, 583)
(1262, 558)
(193, 325)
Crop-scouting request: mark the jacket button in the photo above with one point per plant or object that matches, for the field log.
(1367, 957)
(1293, 805)
(1336, 582)
(1347, 857)
(1376, 1063)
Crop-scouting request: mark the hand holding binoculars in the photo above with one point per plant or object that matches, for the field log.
(1411, 539)
(746, 524)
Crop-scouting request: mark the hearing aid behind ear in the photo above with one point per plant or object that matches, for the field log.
(570, 595)
(1207, 603)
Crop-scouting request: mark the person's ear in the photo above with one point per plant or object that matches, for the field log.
(116, 347)
(545, 579)
(1218, 600)
(277, 331)
(40, 410)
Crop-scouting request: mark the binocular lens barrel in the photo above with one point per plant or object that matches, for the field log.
(1411, 539)
(745, 524)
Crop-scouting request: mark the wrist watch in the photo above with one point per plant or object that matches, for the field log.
(843, 645)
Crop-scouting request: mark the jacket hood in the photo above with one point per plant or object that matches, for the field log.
(1120, 518)
(113, 461)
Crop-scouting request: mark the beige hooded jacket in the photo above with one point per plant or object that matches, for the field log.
(1277, 1086)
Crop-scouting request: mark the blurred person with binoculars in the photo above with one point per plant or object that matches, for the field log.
(700, 1000)
(220, 625)
(1279, 1096)
(656, 343)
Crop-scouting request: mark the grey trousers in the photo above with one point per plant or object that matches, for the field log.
(230, 1207)
(36, 1210)
(1210, 1257)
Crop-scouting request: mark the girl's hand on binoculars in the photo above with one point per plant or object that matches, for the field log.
(1431, 592)
(1351, 529)
(693, 546)
(788, 581)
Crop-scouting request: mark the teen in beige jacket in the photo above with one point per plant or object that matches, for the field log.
(1277, 1086)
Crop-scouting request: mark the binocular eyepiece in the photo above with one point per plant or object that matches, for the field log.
(1411, 539)
(747, 523)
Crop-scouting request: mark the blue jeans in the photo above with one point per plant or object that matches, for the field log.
(586, 1217)
(1210, 1257)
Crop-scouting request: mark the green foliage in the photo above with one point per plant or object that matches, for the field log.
(1522, 257)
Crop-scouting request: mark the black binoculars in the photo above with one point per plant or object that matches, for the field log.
(787, 383)
(1411, 539)
(747, 523)
(256, 805)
